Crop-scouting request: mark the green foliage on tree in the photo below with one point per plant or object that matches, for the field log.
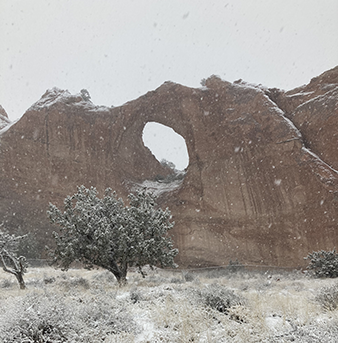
(323, 263)
(106, 233)
(11, 263)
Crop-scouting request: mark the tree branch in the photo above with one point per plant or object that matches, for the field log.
(5, 268)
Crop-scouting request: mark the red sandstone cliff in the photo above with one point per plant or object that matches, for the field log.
(261, 185)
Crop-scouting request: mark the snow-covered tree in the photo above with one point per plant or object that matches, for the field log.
(11, 263)
(323, 263)
(106, 233)
(168, 164)
(85, 95)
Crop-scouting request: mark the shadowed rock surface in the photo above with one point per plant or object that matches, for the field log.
(261, 185)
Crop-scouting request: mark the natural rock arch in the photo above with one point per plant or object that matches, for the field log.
(252, 191)
(166, 144)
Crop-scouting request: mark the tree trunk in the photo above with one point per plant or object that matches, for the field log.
(18, 270)
(119, 273)
(122, 281)
(124, 269)
(121, 277)
(20, 279)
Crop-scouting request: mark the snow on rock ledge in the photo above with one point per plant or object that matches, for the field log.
(4, 121)
(58, 96)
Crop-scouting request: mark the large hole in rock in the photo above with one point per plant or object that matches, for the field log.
(171, 151)
(166, 144)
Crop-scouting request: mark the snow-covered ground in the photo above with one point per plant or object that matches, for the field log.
(168, 306)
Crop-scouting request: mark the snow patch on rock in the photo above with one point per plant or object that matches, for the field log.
(57, 95)
(4, 121)
(5, 128)
(157, 188)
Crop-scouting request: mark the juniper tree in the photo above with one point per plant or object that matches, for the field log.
(106, 233)
(11, 263)
(85, 95)
(323, 263)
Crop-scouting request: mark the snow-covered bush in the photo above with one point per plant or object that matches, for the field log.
(49, 279)
(71, 283)
(328, 297)
(189, 276)
(135, 295)
(235, 266)
(5, 283)
(218, 298)
(323, 263)
(85, 95)
(51, 317)
(203, 82)
(105, 233)
(11, 263)
(176, 280)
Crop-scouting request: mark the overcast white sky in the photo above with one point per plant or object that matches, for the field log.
(119, 50)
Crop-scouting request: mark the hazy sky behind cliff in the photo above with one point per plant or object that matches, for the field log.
(119, 50)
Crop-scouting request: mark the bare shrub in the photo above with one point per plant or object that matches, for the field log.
(74, 282)
(176, 280)
(189, 276)
(80, 282)
(218, 298)
(328, 297)
(235, 266)
(135, 295)
(5, 283)
(49, 279)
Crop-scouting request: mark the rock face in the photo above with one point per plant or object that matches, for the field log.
(4, 121)
(261, 185)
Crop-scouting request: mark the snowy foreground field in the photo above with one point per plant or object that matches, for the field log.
(209, 306)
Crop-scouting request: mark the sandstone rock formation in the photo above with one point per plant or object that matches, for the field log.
(261, 185)
(4, 121)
